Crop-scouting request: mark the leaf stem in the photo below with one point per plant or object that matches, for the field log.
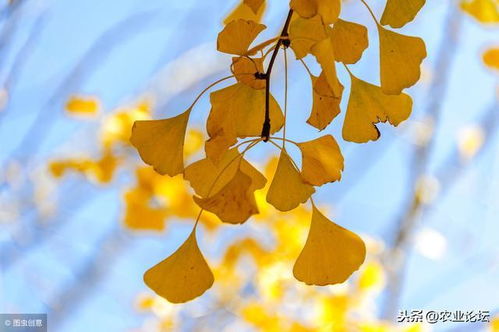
(371, 12)
(209, 87)
(266, 124)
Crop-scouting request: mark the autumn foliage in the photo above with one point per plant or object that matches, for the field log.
(246, 114)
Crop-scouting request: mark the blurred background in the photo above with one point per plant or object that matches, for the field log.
(82, 217)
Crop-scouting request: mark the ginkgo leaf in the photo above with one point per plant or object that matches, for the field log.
(245, 69)
(243, 11)
(331, 253)
(324, 53)
(305, 33)
(238, 111)
(398, 13)
(485, 11)
(237, 36)
(400, 60)
(322, 161)
(349, 41)
(367, 106)
(325, 105)
(207, 178)
(254, 4)
(329, 10)
(182, 276)
(287, 189)
(234, 203)
(491, 58)
(161, 142)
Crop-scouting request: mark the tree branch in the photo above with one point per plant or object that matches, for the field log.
(266, 124)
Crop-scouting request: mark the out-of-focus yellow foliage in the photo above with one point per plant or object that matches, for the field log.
(470, 140)
(81, 105)
(491, 58)
(117, 127)
(494, 324)
(100, 170)
(485, 11)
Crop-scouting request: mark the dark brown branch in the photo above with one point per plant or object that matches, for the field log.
(284, 34)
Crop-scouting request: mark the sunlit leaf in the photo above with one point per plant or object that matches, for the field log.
(305, 33)
(238, 111)
(329, 10)
(203, 173)
(400, 60)
(243, 11)
(322, 161)
(324, 53)
(330, 255)
(349, 41)
(182, 276)
(255, 5)
(161, 142)
(237, 36)
(234, 203)
(245, 69)
(367, 106)
(398, 13)
(325, 105)
(287, 189)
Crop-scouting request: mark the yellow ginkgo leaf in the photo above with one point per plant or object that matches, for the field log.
(238, 111)
(324, 53)
(349, 41)
(329, 10)
(237, 36)
(183, 276)
(325, 105)
(330, 255)
(243, 11)
(367, 106)
(305, 33)
(491, 58)
(207, 178)
(400, 60)
(485, 11)
(255, 5)
(322, 161)
(245, 69)
(398, 13)
(82, 105)
(287, 189)
(234, 203)
(161, 142)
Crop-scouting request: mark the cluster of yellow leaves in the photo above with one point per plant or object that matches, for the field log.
(81, 105)
(227, 185)
(484, 11)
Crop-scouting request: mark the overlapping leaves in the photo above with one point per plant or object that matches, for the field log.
(225, 182)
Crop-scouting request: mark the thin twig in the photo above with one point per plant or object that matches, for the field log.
(266, 124)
